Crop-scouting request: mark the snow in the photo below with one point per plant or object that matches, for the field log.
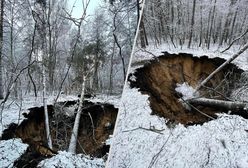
(10, 151)
(222, 142)
(218, 143)
(151, 52)
(187, 91)
(68, 160)
(12, 109)
(103, 98)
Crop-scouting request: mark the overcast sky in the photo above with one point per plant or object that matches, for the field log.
(77, 10)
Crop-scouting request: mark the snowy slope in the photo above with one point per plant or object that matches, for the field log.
(143, 140)
(69, 160)
(218, 143)
(10, 151)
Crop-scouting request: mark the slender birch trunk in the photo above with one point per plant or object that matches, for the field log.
(43, 36)
(48, 135)
(74, 135)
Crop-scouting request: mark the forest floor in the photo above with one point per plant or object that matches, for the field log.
(22, 132)
(155, 129)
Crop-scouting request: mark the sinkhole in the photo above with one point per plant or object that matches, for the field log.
(159, 77)
(96, 124)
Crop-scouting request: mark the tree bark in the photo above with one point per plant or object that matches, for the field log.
(211, 26)
(48, 135)
(1, 47)
(74, 135)
(228, 105)
(120, 48)
(192, 24)
(111, 70)
(201, 27)
(29, 61)
(142, 34)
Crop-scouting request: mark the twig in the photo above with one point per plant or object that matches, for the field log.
(155, 157)
(152, 129)
(197, 109)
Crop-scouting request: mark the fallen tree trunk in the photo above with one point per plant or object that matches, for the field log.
(222, 66)
(227, 105)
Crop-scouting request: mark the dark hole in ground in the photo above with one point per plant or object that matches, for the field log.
(32, 131)
(158, 79)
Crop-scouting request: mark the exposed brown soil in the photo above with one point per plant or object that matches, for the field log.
(158, 79)
(32, 131)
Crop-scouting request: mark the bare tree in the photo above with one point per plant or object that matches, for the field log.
(74, 134)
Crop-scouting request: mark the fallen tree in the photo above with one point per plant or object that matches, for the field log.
(222, 66)
(227, 105)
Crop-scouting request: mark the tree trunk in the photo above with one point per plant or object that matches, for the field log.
(211, 26)
(74, 135)
(227, 105)
(233, 25)
(192, 24)
(43, 35)
(48, 135)
(111, 70)
(201, 25)
(142, 34)
(29, 61)
(1, 47)
(222, 66)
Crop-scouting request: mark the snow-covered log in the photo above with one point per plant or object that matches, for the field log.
(229, 105)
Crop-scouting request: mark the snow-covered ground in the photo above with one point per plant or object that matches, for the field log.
(153, 51)
(11, 150)
(69, 160)
(143, 140)
(110, 99)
